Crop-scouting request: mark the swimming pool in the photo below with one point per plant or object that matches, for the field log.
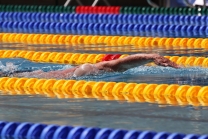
(183, 113)
(113, 114)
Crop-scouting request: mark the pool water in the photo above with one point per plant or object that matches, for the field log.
(113, 114)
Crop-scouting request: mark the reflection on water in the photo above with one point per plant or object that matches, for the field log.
(89, 112)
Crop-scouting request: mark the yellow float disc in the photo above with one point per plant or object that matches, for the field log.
(94, 40)
(120, 40)
(127, 40)
(77, 89)
(204, 43)
(11, 38)
(66, 58)
(78, 40)
(61, 39)
(190, 61)
(98, 58)
(122, 56)
(22, 54)
(36, 38)
(2, 84)
(148, 42)
(117, 91)
(159, 93)
(9, 86)
(48, 39)
(36, 56)
(154, 42)
(30, 38)
(183, 42)
(134, 41)
(51, 57)
(42, 38)
(29, 55)
(138, 92)
(68, 40)
(140, 42)
(181, 60)
(176, 42)
(87, 40)
(38, 86)
(87, 89)
(19, 85)
(59, 57)
(75, 39)
(29, 86)
(74, 58)
(1, 35)
(170, 94)
(15, 53)
(108, 40)
(128, 92)
(192, 94)
(67, 88)
(57, 88)
(2, 53)
(101, 39)
(205, 62)
(82, 59)
(23, 38)
(197, 43)
(114, 40)
(90, 58)
(174, 58)
(107, 90)
(181, 94)
(7, 54)
(5, 38)
(97, 90)
(169, 43)
(55, 39)
(17, 38)
(48, 87)
(190, 42)
(161, 42)
(198, 61)
(149, 93)
(168, 57)
(44, 56)
(202, 96)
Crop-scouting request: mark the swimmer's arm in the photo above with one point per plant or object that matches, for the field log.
(135, 61)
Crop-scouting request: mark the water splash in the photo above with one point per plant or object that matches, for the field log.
(9, 67)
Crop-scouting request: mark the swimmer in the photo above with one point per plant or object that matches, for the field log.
(117, 65)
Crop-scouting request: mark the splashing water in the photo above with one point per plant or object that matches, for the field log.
(9, 67)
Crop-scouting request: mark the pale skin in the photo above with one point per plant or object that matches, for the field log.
(118, 65)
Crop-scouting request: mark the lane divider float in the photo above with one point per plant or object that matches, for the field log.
(172, 94)
(81, 58)
(110, 29)
(104, 18)
(43, 131)
(76, 40)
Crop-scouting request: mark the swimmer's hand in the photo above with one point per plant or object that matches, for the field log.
(162, 61)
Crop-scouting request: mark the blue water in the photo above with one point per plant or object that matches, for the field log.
(113, 114)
